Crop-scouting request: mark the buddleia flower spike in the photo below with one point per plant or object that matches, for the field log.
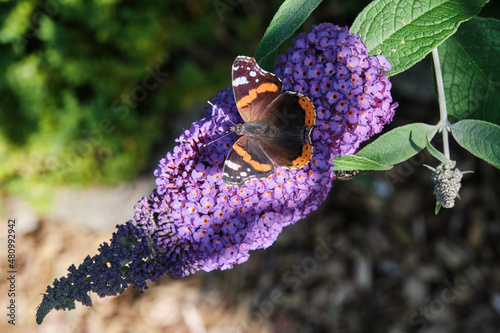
(194, 221)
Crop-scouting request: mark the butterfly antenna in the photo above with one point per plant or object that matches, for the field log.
(222, 137)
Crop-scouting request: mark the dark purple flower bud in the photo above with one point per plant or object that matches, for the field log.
(316, 72)
(343, 86)
(315, 89)
(342, 107)
(289, 68)
(300, 71)
(202, 235)
(309, 61)
(333, 97)
(352, 115)
(326, 85)
(342, 72)
(301, 41)
(356, 80)
(301, 86)
(297, 56)
(330, 69)
(323, 113)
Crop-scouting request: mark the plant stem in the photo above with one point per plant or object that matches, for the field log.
(442, 102)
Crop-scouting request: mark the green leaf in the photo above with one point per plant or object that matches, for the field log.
(353, 163)
(434, 152)
(405, 31)
(268, 62)
(470, 62)
(479, 137)
(285, 22)
(399, 144)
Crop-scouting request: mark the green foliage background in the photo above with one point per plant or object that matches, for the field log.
(78, 104)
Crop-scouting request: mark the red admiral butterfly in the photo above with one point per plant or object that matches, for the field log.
(276, 128)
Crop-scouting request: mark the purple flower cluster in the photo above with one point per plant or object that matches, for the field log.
(349, 89)
(194, 221)
(219, 224)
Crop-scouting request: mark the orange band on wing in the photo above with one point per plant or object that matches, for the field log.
(247, 158)
(306, 104)
(302, 160)
(252, 94)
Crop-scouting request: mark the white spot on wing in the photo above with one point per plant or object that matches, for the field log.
(240, 80)
(253, 73)
(232, 165)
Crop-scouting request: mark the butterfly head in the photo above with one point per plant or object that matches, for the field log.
(238, 129)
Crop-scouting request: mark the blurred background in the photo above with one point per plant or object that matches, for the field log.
(94, 94)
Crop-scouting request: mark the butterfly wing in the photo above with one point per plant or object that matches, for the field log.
(246, 161)
(292, 117)
(253, 88)
(287, 152)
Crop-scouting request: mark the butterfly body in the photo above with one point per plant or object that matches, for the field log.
(276, 128)
(257, 130)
